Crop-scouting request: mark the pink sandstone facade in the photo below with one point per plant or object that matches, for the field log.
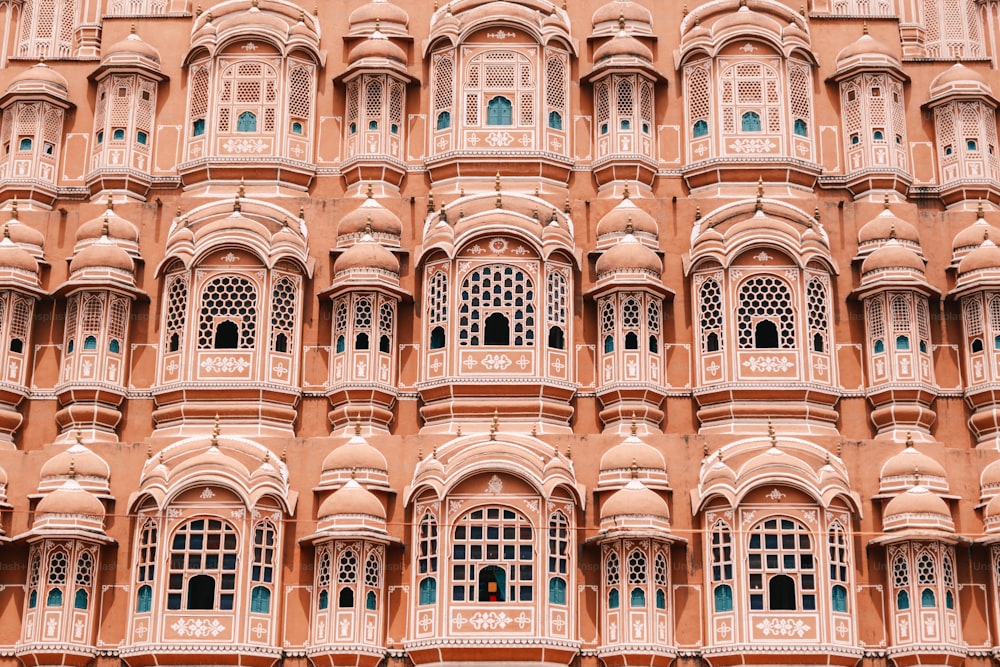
(603, 334)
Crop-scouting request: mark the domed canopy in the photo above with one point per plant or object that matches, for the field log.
(385, 14)
(629, 255)
(632, 456)
(635, 500)
(960, 81)
(358, 460)
(69, 499)
(918, 508)
(103, 254)
(367, 255)
(351, 500)
(131, 52)
(887, 225)
(890, 256)
(625, 216)
(377, 46)
(108, 224)
(971, 237)
(869, 53)
(371, 218)
(76, 461)
(983, 258)
(624, 46)
(991, 516)
(910, 467)
(37, 79)
(632, 13)
(15, 258)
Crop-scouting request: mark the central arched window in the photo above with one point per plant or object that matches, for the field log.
(722, 567)
(228, 317)
(765, 316)
(497, 307)
(146, 567)
(500, 85)
(202, 566)
(493, 557)
(427, 559)
(249, 91)
(781, 567)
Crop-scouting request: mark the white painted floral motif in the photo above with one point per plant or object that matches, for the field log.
(224, 364)
(502, 139)
(783, 627)
(768, 364)
(752, 146)
(198, 627)
(495, 485)
(245, 146)
(496, 362)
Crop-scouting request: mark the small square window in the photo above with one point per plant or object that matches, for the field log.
(145, 96)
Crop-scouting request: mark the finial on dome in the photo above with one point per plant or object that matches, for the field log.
(434, 453)
(215, 431)
(634, 428)
(254, 3)
(420, 453)
(916, 476)
(743, 3)
(684, 11)
(378, 24)
(566, 206)
(625, 192)
(697, 212)
(827, 458)
(354, 472)
(495, 424)
(704, 449)
(443, 214)
(72, 466)
(208, 16)
(316, 9)
(131, 28)
(885, 201)
(242, 190)
(197, 12)
(569, 451)
(302, 213)
(430, 202)
(497, 187)
(79, 435)
(840, 447)
(864, 28)
(6, 232)
(369, 191)
(111, 202)
(815, 216)
(357, 424)
(771, 434)
(179, 212)
(104, 228)
(236, 204)
(635, 469)
(979, 208)
(621, 21)
(534, 430)
(159, 457)
(368, 226)
(628, 226)
(909, 439)
(718, 455)
(284, 454)
(892, 231)
(534, 213)
(759, 204)
(986, 233)
(149, 450)
(13, 209)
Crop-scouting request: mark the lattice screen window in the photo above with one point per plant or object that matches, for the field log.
(661, 580)
(862, 7)
(444, 90)
(818, 313)
(558, 565)
(202, 572)
(353, 106)
(994, 315)
(653, 325)
(427, 559)
(92, 321)
(52, 133)
(750, 98)
(83, 579)
(374, 93)
(901, 580)
(397, 93)
(176, 315)
(721, 551)
(556, 308)
(228, 314)
(952, 29)
(923, 325)
(555, 90)
(324, 578)
(47, 28)
(340, 324)
(926, 571)
(698, 99)
(603, 96)
(645, 107)
(437, 308)
(262, 566)
(839, 555)
(199, 98)
(347, 578)
(284, 296)
(117, 324)
(137, 7)
(483, 538)
(498, 307)
(72, 309)
(638, 575)
(625, 103)
(145, 571)
(710, 302)
(765, 317)
(248, 97)
(800, 98)
(373, 579)
(500, 90)
(34, 577)
(300, 94)
(6, 130)
(948, 580)
(631, 323)
(973, 317)
(385, 327)
(20, 323)
(56, 577)
(612, 579)
(781, 567)
(901, 322)
(362, 323)
(875, 320)
(609, 323)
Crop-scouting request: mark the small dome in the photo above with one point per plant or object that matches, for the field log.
(623, 45)
(910, 467)
(918, 507)
(869, 50)
(383, 221)
(989, 480)
(22, 234)
(367, 254)
(126, 50)
(351, 499)
(103, 254)
(377, 46)
(892, 255)
(991, 516)
(635, 500)
(13, 257)
(212, 459)
(41, 75)
(355, 454)
(972, 237)
(379, 11)
(632, 451)
(618, 219)
(887, 225)
(76, 461)
(629, 255)
(70, 498)
(718, 472)
(614, 12)
(986, 256)
(961, 80)
(118, 228)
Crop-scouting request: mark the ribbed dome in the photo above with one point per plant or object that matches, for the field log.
(118, 228)
(961, 80)
(351, 499)
(355, 454)
(870, 50)
(632, 450)
(986, 256)
(629, 255)
(613, 12)
(918, 507)
(22, 234)
(887, 225)
(910, 467)
(103, 254)
(38, 75)
(635, 500)
(371, 212)
(212, 459)
(13, 257)
(126, 50)
(381, 11)
(973, 236)
(892, 256)
(70, 498)
(366, 255)
(618, 219)
(377, 46)
(623, 45)
(77, 460)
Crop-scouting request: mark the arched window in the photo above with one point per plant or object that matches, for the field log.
(927, 580)
(57, 578)
(248, 97)
(750, 121)
(700, 128)
(838, 553)
(501, 290)
(229, 304)
(722, 566)
(500, 89)
(324, 577)
(144, 599)
(612, 579)
(817, 314)
(638, 576)
(765, 316)
(499, 111)
(284, 297)
(489, 535)
(202, 574)
(428, 590)
(347, 578)
(262, 566)
(901, 581)
(710, 302)
(781, 566)
(83, 580)
(444, 120)
(146, 565)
